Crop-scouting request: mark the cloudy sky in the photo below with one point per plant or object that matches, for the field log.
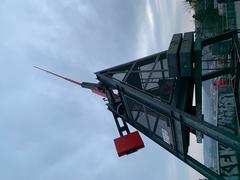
(53, 130)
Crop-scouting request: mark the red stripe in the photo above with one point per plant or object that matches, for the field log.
(98, 92)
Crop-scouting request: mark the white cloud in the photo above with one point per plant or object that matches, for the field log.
(147, 40)
(150, 16)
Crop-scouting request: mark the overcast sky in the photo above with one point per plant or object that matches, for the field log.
(53, 130)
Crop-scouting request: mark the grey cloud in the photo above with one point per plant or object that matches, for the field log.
(51, 129)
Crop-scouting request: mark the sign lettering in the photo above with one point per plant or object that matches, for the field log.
(226, 114)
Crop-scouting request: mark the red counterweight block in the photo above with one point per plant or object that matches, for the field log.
(129, 143)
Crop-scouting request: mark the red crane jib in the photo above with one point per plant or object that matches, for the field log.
(92, 86)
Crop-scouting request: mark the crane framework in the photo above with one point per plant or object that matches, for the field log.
(154, 94)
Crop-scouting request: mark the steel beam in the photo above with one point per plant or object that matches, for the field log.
(212, 131)
(219, 38)
(215, 74)
(162, 55)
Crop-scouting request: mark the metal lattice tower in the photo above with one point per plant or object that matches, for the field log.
(154, 94)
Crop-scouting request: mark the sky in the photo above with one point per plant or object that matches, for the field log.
(53, 130)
